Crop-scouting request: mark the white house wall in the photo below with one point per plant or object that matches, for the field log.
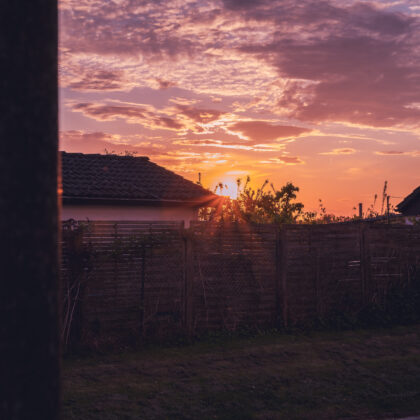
(128, 213)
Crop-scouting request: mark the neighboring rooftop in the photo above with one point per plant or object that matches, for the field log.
(114, 178)
(410, 201)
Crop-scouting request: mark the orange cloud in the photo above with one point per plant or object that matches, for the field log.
(286, 160)
(241, 75)
(237, 145)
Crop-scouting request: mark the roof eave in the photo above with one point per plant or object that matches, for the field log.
(201, 202)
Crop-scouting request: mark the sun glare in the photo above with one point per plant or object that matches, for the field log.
(228, 188)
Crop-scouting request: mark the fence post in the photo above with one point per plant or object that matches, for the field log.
(142, 284)
(364, 262)
(278, 317)
(188, 281)
(281, 271)
(319, 307)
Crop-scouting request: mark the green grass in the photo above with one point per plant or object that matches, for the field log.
(366, 374)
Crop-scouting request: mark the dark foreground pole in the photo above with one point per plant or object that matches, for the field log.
(29, 334)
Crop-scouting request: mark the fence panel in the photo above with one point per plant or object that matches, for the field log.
(234, 281)
(394, 258)
(340, 268)
(135, 284)
(157, 278)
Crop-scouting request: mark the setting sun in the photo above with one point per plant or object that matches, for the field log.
(262, 88)
(227, 187)
(210, 209)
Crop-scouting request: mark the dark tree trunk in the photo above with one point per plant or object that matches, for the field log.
(29, 323)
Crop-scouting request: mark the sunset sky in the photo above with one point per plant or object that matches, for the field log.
(325, 94)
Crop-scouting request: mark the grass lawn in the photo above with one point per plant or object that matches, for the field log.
(364, 374)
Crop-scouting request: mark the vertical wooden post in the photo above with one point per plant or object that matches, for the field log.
(319, 308)
(142, 282)
(29, 280)
(278, 315)
(364, 262)
(188, 281)
(361, 210)
(282, 276)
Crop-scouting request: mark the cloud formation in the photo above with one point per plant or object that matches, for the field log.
(350, 61)
(358, 64)
(261, 86)
(101, 80)
(285, 160)
(100, 142)
(414, 153)
(178, 117)
(341, 151)
(131, 113)
(262, 130)
(252, 146)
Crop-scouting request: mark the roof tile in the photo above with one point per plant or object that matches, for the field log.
(415, 195)
(125, 177)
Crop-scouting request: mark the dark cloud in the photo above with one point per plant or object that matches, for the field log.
(168, 123)
(200, 115)
(130, 113)
(358, 80)
(242, 4)
(263, 131)
(338, 61)
(76, 135)
(99, 142)
(327, 17)
(165, 84)
(342, 151)
(98, 80)
(368, 17)
(390, 152)
(291, 160)
(132, 28)
(150, 117)
(110, 112)
(364, 62)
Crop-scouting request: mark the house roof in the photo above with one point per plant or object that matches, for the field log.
(415, 195)
(126, 179)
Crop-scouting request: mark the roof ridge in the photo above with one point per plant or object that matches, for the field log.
(104, 155)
